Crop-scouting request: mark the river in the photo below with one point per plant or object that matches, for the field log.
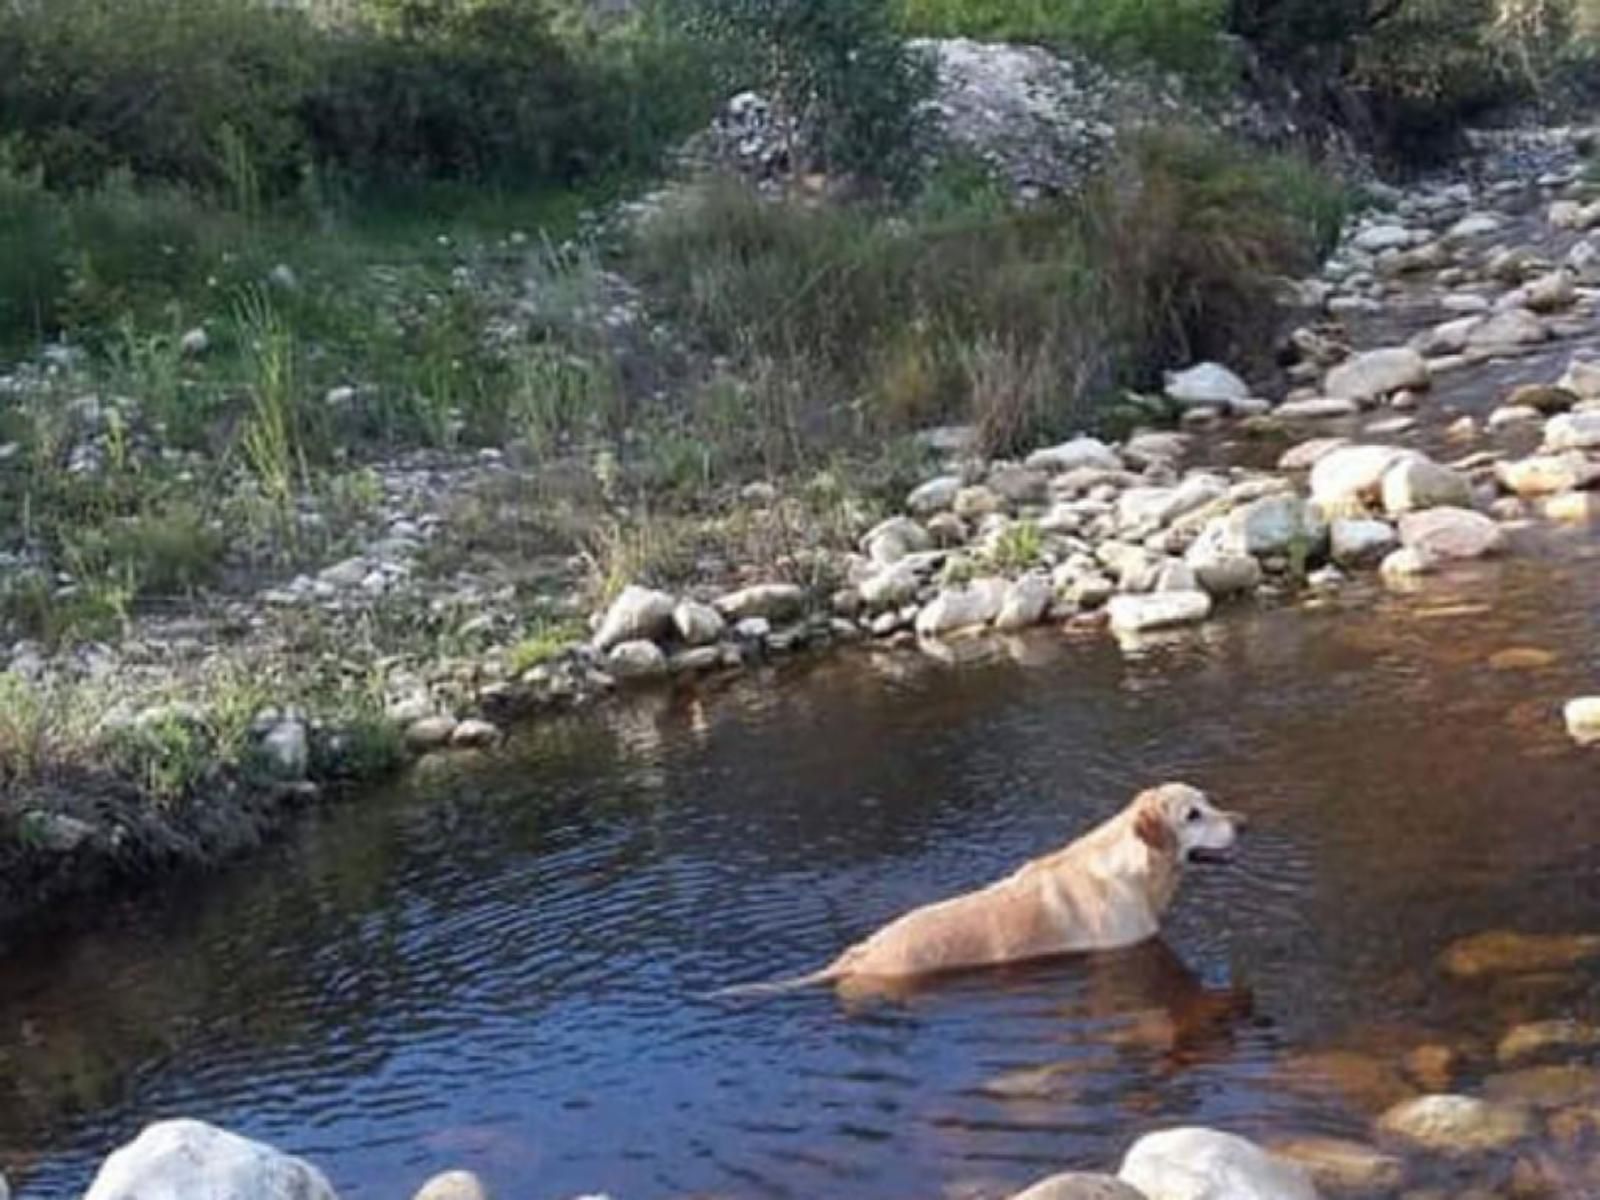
(501, 965)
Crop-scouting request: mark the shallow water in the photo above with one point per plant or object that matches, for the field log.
(500, 966)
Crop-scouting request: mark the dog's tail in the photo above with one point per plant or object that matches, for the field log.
(776, 987)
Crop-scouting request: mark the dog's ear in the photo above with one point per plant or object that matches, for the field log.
(1154, 832)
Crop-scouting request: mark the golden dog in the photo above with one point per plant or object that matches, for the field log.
(1108, 889)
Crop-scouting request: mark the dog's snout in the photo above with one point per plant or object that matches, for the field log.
(1239, 821)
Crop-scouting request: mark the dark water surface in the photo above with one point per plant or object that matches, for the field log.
(498, 967)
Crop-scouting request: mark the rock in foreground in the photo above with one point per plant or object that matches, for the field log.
(1456, 1124)
(190, 1160)
(1204, 1164)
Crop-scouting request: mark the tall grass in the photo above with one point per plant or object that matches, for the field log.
(272, 442)
(1020, 321)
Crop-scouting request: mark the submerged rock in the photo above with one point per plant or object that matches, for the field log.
(190, 1160)
(1206, 1164)
(1535, 1037)
(1161, 610)
(1505, 952)
(1338, 1165)
(1545, 1087)
(1456, 1124)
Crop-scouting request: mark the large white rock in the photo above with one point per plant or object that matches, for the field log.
(1415, 483)
(1582, 377)
(967, 606)
(1545, 474)
(190, 1160)
(1548, 293)
(1505, 329)
(453, 1185)
(1208, 385)
(1375, 239)
(1440, 534)
(1025, 603)
(1272, 525)
(1075, 1185)
(638, 659)
(1377, 373)
(1359, 543)
(1573, 431)
(1074, 454)
(697, 624)
(1582, 716)
(1349, 480)
(890, 541)
(935, 496)
(1159, 610)
(1456, 1124)
(774, 601)
(1221, 574)
(638, 613)
(889, 587)
(1583, 260)
(1206, 1164)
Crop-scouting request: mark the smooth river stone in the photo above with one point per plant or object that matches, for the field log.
(1505, 952)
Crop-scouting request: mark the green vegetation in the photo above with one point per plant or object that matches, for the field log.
(860, 325)
(1174, 35)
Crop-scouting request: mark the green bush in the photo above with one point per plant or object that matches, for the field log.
(837, 67)
(253, 102)
(1175, 35)
(1019, 320)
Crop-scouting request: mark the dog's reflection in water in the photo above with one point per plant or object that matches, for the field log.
(1141, 1005)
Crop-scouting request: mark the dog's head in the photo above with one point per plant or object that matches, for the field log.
(1178, 820)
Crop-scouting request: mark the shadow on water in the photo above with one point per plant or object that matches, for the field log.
(500, 964)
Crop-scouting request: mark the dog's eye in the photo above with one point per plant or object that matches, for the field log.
(1194, 815)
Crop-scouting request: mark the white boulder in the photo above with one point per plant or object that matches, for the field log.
(1206, 1164)
(190, 1160)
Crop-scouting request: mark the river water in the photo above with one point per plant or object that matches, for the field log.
(501, 965)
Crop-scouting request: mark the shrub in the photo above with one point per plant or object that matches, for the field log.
(254, 102)
(1019, 320)
(838, 68)
(1174, 35)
